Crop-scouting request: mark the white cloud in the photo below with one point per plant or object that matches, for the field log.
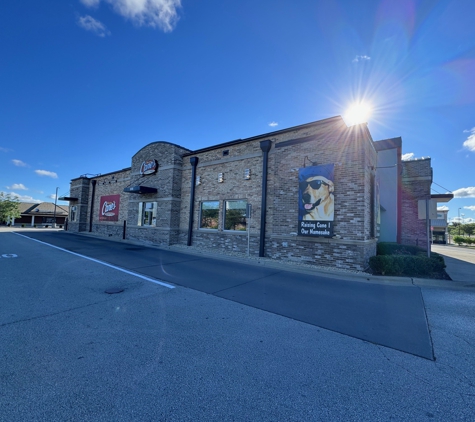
(19, 186)
(155, 13)
(443, 208)
(25, 198)
(92, 25)
(407, 156)
(19, 163)
(358, 58)
(5, 149)
(471, 208)
(273, 124)
(470, 142)
(46, 173)
(465, 193)
(52, 196)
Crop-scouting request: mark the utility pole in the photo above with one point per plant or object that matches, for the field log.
(55, 200)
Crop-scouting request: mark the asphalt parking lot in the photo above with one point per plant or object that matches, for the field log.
(70, 351)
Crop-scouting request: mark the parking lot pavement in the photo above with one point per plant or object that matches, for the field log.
(460, 262)
(389, 315)
(70, 351)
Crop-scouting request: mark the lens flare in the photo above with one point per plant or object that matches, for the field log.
(357, 113)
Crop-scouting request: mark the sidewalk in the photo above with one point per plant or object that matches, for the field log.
(460, 263)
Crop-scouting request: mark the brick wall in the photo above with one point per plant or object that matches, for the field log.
(353, 154)
(416, 182)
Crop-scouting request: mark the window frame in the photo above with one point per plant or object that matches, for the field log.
(143, 209)
(243, 216)
(73, 213)
(200, 227)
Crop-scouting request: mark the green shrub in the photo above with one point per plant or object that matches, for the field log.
(458, 240)
(409, 265)
(389, 248)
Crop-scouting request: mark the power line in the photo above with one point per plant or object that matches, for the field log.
(448, 190)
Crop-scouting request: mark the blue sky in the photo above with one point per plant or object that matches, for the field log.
(86, 83)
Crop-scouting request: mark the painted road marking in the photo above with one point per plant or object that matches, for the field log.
(161, 283)
(9, 255)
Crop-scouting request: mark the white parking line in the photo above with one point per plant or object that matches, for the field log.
(161, 283)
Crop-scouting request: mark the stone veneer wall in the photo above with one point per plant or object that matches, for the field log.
(168, 181)
(416, 182)
(79, 189)
(351, 150)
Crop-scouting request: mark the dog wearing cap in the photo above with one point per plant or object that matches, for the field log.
(317, 198)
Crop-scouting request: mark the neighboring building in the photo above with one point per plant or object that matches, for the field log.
(315, 192)
(41, 215)
(439, 227)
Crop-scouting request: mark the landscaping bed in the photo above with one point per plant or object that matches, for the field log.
(393, 259)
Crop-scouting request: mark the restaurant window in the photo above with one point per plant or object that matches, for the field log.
(235, 215)
(209, 215)
(147, 214)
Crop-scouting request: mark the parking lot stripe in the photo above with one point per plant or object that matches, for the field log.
(161, 283)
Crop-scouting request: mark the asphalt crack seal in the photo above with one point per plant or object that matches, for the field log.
(114, 290)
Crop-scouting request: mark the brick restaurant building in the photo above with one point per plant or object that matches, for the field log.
(321, 193)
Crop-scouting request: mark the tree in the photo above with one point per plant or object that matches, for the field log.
(468, 228)
(9, 207)
(453, 228)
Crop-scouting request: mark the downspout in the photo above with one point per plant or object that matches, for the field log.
(265, 147)
(92, 204)
(194, 163)
(399, 196)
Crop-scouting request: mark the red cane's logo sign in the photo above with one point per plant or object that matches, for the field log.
(108, 208)
(149, 167)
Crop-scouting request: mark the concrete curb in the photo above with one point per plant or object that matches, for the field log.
(282, 266)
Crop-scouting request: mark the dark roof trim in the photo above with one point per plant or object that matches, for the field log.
(303, 140)
(391, 143)
(102, 175)
(265, 135)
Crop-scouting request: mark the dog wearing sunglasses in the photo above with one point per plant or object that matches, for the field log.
(317, 198)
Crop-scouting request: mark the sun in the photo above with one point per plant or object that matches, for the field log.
(357, 113)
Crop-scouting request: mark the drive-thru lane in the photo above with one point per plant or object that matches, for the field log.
(392, 316)
(70, 351)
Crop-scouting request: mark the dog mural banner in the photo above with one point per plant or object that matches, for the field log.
(316, 201)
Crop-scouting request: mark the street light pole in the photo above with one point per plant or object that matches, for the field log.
(459, 221)
(54, 216)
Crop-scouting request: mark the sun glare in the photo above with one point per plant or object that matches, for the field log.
(357, 113)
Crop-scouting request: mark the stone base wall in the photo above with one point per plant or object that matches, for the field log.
(226, 242)
(332, 253)
(108, 230)
(150, 235)
(322, 252)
